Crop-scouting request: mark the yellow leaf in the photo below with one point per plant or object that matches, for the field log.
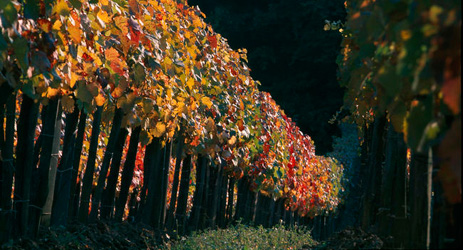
(434, 13)
(103, 16)
(51, 92)
(232, 140)
(62, 8)
(104, 2)
(206, 101)
(57, 25)
(159, 130)
(190, 83)
(100, 99)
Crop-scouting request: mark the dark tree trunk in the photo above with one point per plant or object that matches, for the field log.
(250, 210)
(258, 218)
(175, 182)
(214, 193)
(132, 206)
(373, 174)
(64, 174)
(230, 200)
(164, 183)
(87, 180)
(6, 214)
(127, 173)
(75, 186)
(107, 203)
(364, 170)
(151, 169)
(148, 162)
(24, 162)
(221, 211)
(393, 195)
(2, 145)
(158, 187)
(39, 191)
(438, 226)
(262, 210)
(204, 203)
(243, 189)
(387, 182)
(38, 143)
(399, 208)
(114, 134)
(199, 193)
(271, 220)
(278, 218)
(180, 212)
(421, 168)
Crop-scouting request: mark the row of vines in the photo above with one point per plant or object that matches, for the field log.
(401, 65)
(139, 111)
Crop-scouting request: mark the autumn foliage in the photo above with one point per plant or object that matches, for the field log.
(173, 77)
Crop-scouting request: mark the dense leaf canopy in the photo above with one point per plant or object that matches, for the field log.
(165, 68)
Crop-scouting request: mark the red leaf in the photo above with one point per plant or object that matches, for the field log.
(452, 94)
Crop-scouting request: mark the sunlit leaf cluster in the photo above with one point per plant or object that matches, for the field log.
(166, 69)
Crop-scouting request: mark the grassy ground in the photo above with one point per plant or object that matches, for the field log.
(128, 236)
(247, 237)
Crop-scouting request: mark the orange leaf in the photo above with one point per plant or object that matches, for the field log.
(240, 124)
(75, 33)
(44, 24)
(100, 99)
(111, 54)
(121, 23)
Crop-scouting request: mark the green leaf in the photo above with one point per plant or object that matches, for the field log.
(145, 138)
(3, 44)
(9, 12)
(39, 60)
(21, 49)
(83, 94)
(31, 9)
(76, 3)
(139, 73)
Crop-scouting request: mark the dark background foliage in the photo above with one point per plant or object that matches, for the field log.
(289, 53)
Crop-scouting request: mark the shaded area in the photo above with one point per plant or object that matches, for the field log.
(289, 53)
